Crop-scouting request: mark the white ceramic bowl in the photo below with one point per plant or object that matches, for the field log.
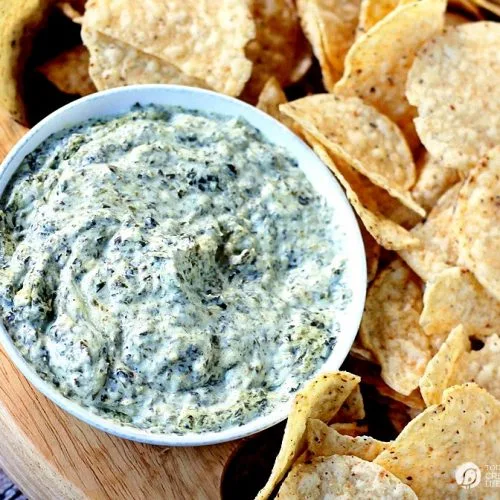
(120, 100)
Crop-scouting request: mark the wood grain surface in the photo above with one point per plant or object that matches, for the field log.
(52, 455)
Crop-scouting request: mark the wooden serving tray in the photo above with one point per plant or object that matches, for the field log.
(52, 455)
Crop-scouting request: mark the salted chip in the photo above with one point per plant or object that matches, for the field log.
(439, 371)
(477, 221)
(455, 297)
(454, 84)
(390, 327)
(456, 363)
(204, 40)
(346, 477)
(330, 26)
(359, 191)
(69, 72)
(372, 11)
(433, 181)
(270, 98)
(352, 409)
(377, 65)
(114, 64)
(361, 136)
(324, 441)
(276, 42)
(19, 23)
(321, 399)
(438, 250)
(465, 427)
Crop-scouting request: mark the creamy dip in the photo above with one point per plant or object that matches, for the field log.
(169, 269)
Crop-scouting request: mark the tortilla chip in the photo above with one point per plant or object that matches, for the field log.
(342, 477)
(330, 26)
(377, 65)
(439, 371)
(477, 222)
(270, 98)
(204, 40)
(372, 11)
(362, 137)
(69, 72)
(352, 409)
(114, 64)
(323, 441)
(321, 399)
(438, 250)
(433, 181)
(359, 191)
(465, 427)
(352, 429)
(390, 327)
(454, 84)
(273, 49)
(19, 23)
(456, 363)
(455, 297)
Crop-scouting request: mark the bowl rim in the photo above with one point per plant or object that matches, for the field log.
(153, 93)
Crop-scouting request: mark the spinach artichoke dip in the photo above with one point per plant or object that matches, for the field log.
(169, 269)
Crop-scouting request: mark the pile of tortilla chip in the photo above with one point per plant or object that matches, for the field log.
(401, 100)
(326, 452)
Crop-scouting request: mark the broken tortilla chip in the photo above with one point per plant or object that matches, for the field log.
(321, 399)
(390, 327)
(454, 85)
(69, 72)
(477, 222)
(377, 65)
(332, 477)
(465, 427)
(455, 297)
(203, 40)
